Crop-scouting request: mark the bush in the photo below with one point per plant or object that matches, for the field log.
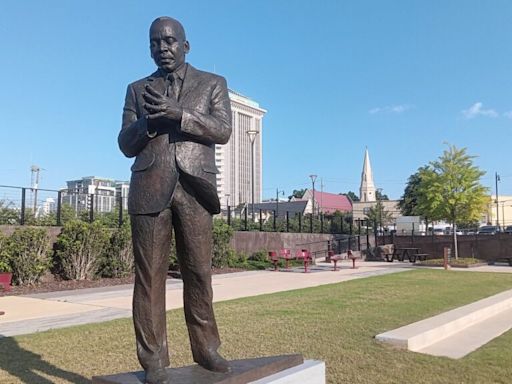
(5, 264)
(117, 260)
(80, 246)
(260, 256)
(222, 252)
(28, 250)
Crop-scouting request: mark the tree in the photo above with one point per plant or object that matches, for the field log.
(351, 195)
(378, 214)
(450, 189)
(381, 196)
(409, 200)
(8, 213)
(297, 193)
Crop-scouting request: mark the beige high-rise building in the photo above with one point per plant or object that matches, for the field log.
(234, 158)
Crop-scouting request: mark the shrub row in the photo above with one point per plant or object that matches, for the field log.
(90, 250)
(82, 251)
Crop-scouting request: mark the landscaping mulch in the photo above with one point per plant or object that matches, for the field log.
(66, 285)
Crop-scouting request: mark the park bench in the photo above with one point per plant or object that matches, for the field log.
(343, 256)
(306, 258)
(420, 257)
(286, 254)
(274, 259)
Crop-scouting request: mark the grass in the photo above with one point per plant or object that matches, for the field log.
(335, 323)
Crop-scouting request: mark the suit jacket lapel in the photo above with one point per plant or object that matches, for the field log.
(188, 83)
(157, 82)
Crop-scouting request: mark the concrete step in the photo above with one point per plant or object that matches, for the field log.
(438, 332)
(471, 338)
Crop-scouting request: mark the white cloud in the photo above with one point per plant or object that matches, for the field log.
(476, 110)
(508, 114)
(395, 109)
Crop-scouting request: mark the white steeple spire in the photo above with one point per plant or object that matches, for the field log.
(367, 189)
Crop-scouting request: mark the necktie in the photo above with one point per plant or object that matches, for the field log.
(174, 86)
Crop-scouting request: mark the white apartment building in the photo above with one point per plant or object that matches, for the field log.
(234, 158)
(79, 192)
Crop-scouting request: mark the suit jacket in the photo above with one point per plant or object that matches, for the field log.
(183, 149)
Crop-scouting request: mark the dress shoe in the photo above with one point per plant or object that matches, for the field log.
(157, 376)
(213, 361)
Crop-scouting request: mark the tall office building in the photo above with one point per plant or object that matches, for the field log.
(234, 158)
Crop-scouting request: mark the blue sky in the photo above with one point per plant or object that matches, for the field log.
(400, 77)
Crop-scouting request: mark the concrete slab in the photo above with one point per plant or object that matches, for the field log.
(453, 324)
(45, 311)
(310, 372)
(471, 338)
(18, 308)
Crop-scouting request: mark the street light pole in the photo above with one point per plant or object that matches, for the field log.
(497, 178)
(313, 179)
(277, 200)
(252, 136)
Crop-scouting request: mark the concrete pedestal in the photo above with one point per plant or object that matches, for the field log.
(310, 372)
(243, 372)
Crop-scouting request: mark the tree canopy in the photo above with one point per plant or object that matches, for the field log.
(449, 189)
(409, 201)
(297, 193)
(351, 195)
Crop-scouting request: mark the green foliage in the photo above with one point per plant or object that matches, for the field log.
(351, 195)
(79, 249)
(8, 213)
(117, 261)
(173, 257)
(450, 188)
(261, 255)
(409, 201)
(381, 196)
(28, 254)
(297, 193)
(222, 251)
(5, 262)
(378, 214)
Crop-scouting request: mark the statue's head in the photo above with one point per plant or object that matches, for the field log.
(168, 43)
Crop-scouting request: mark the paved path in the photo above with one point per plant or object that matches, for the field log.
(39, 312)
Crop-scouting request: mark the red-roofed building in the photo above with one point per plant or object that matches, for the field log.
(327, 202)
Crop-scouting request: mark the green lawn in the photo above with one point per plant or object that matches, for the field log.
(334, 323)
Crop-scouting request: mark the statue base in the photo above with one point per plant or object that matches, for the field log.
(243, 372)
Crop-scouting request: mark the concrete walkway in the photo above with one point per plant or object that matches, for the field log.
(40, 312)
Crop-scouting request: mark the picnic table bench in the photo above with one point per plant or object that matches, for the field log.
(400, 254)
(343, 256)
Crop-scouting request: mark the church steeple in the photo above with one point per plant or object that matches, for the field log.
(367, 189)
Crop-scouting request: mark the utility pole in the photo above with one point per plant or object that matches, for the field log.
(319, 209)
(497, 178)
(34, 169)
(313, 179)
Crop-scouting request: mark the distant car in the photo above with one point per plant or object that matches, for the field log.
(438, 231)
(508, 229)
(488, 230)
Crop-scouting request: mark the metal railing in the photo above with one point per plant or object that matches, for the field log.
(48, 207)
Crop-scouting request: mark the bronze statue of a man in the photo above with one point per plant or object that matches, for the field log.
(172, 120)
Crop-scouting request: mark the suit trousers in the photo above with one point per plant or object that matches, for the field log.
(151, 236)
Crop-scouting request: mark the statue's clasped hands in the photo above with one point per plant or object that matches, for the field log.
(160, 106)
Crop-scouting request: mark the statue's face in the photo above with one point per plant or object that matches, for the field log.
(167, 44)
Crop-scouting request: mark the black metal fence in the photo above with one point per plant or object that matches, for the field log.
(48, 207)
(242, 219)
